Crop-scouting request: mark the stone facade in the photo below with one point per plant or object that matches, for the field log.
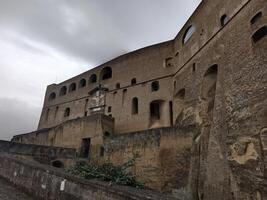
(193, 108)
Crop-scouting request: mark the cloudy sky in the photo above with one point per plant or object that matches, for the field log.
(48, 41)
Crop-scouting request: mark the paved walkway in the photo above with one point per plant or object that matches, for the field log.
(9, 192)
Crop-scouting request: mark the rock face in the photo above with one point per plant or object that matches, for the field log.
(194, 108)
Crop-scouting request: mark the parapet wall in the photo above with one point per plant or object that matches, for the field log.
(49, 183)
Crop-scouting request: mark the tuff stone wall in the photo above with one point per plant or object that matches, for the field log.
(49, 183)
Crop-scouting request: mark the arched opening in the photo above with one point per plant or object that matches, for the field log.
(259, 34)
(93, 78)
(256, 18)
(72, 87)
(67, 112)
(135, 106)
(52, 96)
(133, 81)
(118, 86)
(209, 87)
(63, 91)
(106, 73)
(154, 86)
(82, 83)
(57, 164)
(188, 33)
(224, 19)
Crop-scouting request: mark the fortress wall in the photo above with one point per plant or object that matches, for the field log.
(162, 156)
(228, 156)
(44, 182)
(145, 65)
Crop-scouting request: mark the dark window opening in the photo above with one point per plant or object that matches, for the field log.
(110, 115)
(171, 113)
(93, 78)
(106, 73)
(180, 94)
(118, 86)
(63, 91)
(72, 87)
(109, 109)
(155, 110)
(102, 151)
(82, 83)
(154, 86)
(85, 148)
(52, 96)
(224, 20)
(169, 62)
(259, 34)
(189, 33)
(194, 67)
(57, 164)
(67, 112)
(135, 106)
(133, 81)
(256, 18)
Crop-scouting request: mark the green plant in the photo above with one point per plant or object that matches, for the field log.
(107, 172)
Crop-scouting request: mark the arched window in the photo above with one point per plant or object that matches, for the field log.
(93, 78)
(63, 91)
(67, 112)
(154, 86)
(188, 33)
(82, 83)
(224, 19)
(135, 106)
(256, 18)
(259, 34)
(118, 85)
(106, 73)
(52, 96)
(133, 81)
(72, 87)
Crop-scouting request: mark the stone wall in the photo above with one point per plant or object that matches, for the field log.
(42, 154)
(48, 183)
(162, 155)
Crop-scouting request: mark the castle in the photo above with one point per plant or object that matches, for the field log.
(193, 110)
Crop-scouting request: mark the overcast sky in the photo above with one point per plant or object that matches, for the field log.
(48, 41)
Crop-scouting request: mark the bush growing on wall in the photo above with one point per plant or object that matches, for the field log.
(107, 172)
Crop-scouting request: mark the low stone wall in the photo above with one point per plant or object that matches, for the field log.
(42, 154)
(49, 183)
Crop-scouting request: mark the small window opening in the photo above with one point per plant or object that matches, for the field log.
(72, 87)
(57, 164)
(194, 67)
(155, 110)
(63, 91)
(82, 83)
(189, 33)
(67, 112)
(110, 115)
(107, 134)
(85, 113)
(106, 73)
(93, 78)
(109, 109)
(169, 62)
(224, 20)
(102, 151)
(259, 34)
(133, 81)
(154, 86)
(256, 18)
(52, 96)
(135, 106)
(118, 86)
